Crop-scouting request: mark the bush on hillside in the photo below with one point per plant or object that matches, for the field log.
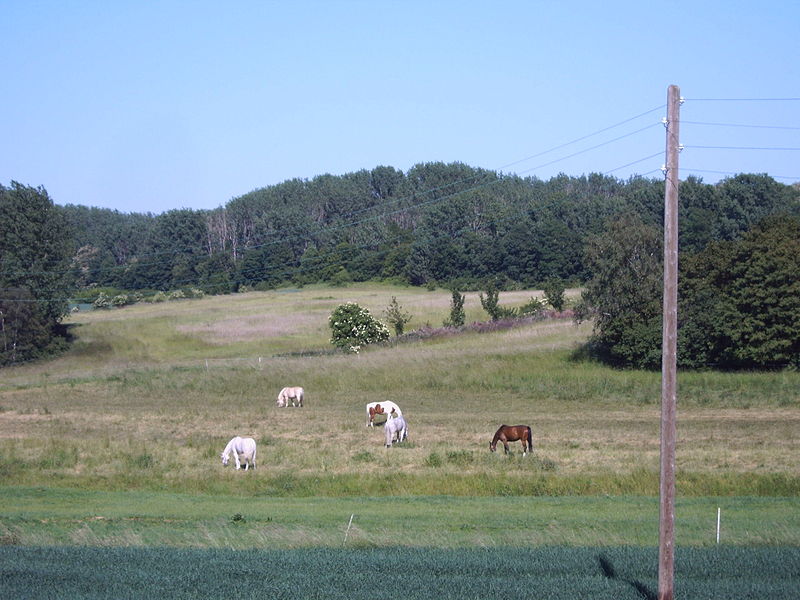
(353, 327)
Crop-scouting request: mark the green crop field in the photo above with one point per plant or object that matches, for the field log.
(548, 572)
(115, 446)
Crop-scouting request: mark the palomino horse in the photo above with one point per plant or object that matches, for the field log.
(388, 408)
(241, 447)
(293, 394)
(513, 433)
(396, 430)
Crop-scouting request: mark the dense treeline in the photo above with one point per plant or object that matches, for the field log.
(739, 300)
(446, 223)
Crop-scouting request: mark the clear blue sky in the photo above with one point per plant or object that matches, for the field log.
(150, 106)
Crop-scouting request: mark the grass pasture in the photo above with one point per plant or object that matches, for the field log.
(116, 445)
(151, 394)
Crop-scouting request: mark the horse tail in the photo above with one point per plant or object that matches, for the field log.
(530, 440)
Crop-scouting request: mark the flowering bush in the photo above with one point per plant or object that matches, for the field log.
(353, 326)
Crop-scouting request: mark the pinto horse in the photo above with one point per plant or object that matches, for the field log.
(244, 447)
(513, 433)
(388, 408)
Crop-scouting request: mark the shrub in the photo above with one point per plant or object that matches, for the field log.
(457, 315)
(554, 292)
(341, 278)
(353, 326)
(491, 304)
(532, 308)
(120, 300)
(102, 301)
(396, 317)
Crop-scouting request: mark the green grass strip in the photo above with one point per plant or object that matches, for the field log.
(53, 516)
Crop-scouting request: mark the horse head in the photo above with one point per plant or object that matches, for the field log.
(224, 459)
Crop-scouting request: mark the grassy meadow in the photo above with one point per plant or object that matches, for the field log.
(149, 395)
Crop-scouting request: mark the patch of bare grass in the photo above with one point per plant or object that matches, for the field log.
(249, 328)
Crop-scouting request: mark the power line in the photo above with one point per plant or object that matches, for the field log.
(386, 214)
(742, 99)
(552, 162)
(733, 173)
(779, 127)
(203, 249)
(636, 162)
(580, 139)
(793, 149)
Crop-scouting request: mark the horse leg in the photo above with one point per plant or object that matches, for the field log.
(505, 446)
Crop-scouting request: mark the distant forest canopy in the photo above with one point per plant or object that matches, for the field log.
(450, 224)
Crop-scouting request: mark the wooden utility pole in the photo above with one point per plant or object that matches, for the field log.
(669, 345)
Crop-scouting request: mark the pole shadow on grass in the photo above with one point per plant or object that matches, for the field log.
(607, 567)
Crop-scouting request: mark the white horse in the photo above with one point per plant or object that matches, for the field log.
(390, 409)
(396, 430)
(241, 447)
(293, 394)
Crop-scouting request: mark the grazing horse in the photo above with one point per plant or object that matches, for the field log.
(390, 409)
(241, 447)
(396, 430)
(513, 433)
(293, 394)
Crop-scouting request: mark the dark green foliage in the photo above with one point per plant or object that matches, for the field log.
(515, 571)
(741, 306)
(739, 300)
(531, 308)
(554, 293)
(491, 304)
(625, 293)
(396, 316)
(457, 315)
(35, 279)
(447, 223)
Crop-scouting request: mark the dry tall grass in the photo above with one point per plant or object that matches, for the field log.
(151, 393)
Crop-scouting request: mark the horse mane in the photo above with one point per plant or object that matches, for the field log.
(498, 433)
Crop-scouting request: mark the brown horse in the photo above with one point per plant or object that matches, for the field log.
(513, 433)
